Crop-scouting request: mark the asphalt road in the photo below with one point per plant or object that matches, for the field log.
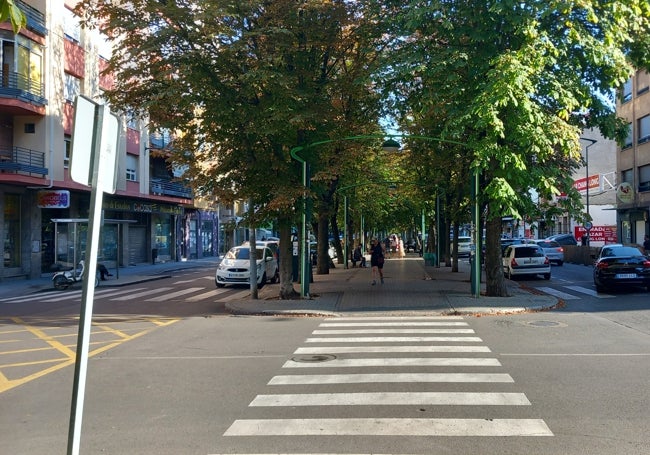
(165, 380)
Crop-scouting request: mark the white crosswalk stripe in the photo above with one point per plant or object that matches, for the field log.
(393, 339)
(389, 427)
(173, 295)
(580, 289)
(397, 362)
(389, 331)
(558, 293)
(387, 377)
(591, 292)
(378, 365)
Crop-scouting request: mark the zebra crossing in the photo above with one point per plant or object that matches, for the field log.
(391, 356)
(576, 289)
(139, 294)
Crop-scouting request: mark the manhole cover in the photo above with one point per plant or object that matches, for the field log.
(314, 358)
(544, 323)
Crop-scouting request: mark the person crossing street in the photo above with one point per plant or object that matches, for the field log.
(377, 261)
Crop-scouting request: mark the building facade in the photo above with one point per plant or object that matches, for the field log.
(633, 160)
(44, 213)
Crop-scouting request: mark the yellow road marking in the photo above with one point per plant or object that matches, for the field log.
(69, 351)
(45, 337)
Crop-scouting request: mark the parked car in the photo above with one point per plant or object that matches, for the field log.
(618, 265)
(411, 246)
(235, 267)
(274, 245)
(507, 242)
(526, 259)
(464, 246)
(553, 250)
(563, 239)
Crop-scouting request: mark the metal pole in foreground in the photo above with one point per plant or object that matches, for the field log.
(345, 229)
(476, 265)
(304, 271)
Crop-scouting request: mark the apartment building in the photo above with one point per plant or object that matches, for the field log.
(633, 160)
(43, 212)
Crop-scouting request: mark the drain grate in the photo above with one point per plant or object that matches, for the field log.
(314, 358)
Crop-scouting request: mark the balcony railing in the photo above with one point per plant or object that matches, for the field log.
(20, 160)
(168, 187)
(35, 19)
(21, 87)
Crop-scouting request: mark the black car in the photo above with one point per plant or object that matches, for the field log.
(564, 239)
(618, 265)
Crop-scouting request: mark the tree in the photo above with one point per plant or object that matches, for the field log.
(241, 83)
(517, 82)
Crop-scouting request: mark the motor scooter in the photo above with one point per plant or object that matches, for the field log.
(66, 278)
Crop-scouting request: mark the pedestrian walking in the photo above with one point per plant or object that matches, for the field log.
(377, 261)
(400, 247)
(646, 244)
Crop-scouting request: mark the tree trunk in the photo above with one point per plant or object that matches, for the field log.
(287, 260)
(340, 253)
(323, 260)
(494, 280)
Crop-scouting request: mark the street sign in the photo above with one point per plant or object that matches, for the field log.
(588, 225)
(95, 131)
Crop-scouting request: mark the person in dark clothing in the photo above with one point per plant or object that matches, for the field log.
(377, 261)
(646, 245)
(356, 256)
(103, 271)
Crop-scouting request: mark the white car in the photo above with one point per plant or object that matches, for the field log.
(235, 267)
(464, 246)
(526, 259)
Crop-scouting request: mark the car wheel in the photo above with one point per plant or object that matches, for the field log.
(276, 276)
(599, 287)
(219, 285)
(547, 276)
(560, 263)
(263, 282)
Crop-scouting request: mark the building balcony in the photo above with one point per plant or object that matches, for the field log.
(19, 95)
(35, 19)
(168, 187)
(23, 161)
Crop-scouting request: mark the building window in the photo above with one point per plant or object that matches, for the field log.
(67, 148)
(642, 82)
(626, 95)
(131, 168)
(627, 176)
(629, 139)
(644, 178)
(71, 87)
(644, 129)
(71, 28)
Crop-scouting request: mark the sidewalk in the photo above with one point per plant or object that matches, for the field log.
(410, 288)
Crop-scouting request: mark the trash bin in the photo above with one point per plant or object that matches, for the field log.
(430, 259)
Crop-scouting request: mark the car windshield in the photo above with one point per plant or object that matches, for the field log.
(528, 252)
(548, 244)
(620, 251)
(243, 253)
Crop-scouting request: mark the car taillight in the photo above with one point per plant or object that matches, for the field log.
(513, 263)
(602, 265)
(646, 264)
(560, 249)
(546, 261)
